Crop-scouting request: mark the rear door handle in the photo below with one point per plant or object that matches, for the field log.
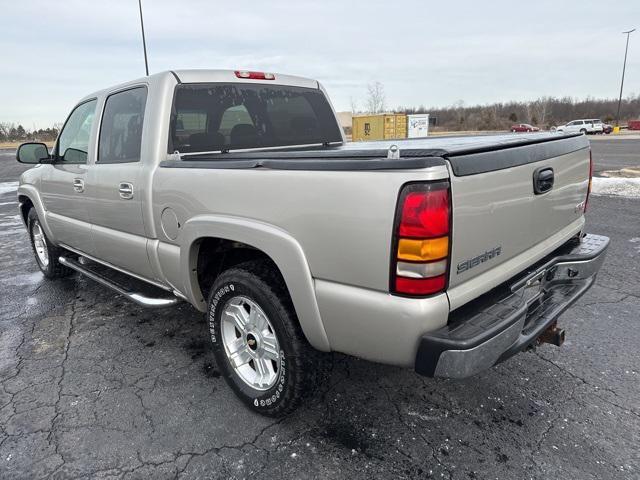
(126, 190)
(78, 185)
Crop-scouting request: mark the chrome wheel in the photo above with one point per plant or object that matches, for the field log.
(250, 343)
(40, 244)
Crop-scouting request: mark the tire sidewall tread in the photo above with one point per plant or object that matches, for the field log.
(261, 283)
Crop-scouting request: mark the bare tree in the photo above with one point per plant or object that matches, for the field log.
(354, 106)
(375, 97)
(542, 106)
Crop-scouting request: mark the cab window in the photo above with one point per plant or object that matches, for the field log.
(73, 144)
(121, 127)
(242, 115)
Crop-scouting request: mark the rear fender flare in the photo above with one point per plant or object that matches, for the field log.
(276, 243)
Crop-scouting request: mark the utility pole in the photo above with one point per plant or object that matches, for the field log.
(624, 67)
(144, 43)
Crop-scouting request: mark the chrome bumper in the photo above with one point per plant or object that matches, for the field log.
(506, 320)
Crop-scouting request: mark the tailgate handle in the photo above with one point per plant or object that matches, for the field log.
(543, 180)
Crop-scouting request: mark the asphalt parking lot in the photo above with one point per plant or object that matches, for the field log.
(95, 387)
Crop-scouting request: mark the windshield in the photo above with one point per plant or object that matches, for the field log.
(228, 116)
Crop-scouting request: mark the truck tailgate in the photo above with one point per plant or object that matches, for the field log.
(500, 225)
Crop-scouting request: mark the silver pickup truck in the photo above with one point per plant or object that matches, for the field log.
(236, 192)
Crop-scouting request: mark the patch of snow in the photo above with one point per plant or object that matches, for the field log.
(623, 187)
(10, 220)
(8, 187)
(24, 279)
(12, 231)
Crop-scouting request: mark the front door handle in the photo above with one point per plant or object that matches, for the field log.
(126, 190)
(78, 185)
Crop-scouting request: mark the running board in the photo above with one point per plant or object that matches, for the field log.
(137, 297)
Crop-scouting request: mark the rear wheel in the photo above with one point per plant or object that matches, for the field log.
(583, 131)
(45, 252)
(257, 340)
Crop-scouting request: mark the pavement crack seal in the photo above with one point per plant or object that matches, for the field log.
(72, 318)
(216, 450)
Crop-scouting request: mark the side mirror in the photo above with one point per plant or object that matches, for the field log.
(32, 153)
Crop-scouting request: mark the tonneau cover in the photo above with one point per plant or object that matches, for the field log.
(467, 155)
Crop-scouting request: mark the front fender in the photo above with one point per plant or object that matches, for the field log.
(281, 247)
(30, 191)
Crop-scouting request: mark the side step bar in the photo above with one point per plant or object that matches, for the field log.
(139, 298)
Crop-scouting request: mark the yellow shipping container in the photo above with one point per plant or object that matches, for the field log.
(384, 126)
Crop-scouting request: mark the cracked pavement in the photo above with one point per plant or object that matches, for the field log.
(92, 386)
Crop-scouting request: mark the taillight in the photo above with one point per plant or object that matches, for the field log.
(254, 75)
(420, 256)
(586, 200)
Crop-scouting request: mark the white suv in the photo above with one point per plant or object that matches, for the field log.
(589, 125)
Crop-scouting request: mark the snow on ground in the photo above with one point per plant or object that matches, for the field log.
(7, 187)
(624, 187)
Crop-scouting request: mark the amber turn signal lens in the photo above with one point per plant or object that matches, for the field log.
(423, 250)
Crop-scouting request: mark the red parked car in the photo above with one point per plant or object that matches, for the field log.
(524, 127)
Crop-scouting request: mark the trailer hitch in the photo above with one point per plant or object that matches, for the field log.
(552, 335)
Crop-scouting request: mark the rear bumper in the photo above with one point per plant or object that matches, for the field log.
(507, 319)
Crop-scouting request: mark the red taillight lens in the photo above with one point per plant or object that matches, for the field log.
(255, 75)
(425, 214)
(586, 200)
(420, 286)
(421, 244)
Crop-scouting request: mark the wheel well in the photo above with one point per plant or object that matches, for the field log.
(25, 205)
(215, 255)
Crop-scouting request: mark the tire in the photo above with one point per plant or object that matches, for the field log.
(583, 131)
(238, 303)
(45, 252)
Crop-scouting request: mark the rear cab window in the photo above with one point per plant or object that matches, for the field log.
(227, 116)
(121, 127)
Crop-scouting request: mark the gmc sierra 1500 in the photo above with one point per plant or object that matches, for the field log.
(236, 192)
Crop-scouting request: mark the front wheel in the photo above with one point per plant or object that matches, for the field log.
(45, 252)
(583, 131)
(257, 340)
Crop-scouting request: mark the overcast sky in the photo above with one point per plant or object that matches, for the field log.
(424, 52)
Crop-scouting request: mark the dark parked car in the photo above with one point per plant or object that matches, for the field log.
(524, 127)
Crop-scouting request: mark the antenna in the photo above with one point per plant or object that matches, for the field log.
(144, 43)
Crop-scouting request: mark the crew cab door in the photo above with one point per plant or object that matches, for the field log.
(64, 184)
(116, 202)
